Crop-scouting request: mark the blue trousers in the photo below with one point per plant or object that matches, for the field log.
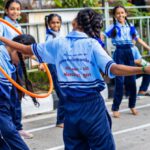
(87, 124)
(60, 109)
(10, 135)
(3, 143)
(123, 55)
(145, 82)
(16, 110)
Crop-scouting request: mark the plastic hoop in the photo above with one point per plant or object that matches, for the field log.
(16, 84)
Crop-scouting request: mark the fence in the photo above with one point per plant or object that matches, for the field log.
(142, 22)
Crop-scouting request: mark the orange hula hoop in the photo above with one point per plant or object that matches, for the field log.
(16, 84)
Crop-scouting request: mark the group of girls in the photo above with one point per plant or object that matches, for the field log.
(75, 62)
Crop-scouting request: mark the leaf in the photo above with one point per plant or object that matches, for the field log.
(58, 3)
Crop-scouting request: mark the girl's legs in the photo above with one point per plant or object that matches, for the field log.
(87, 124)
(3, 143)
(10, 134)
(118, 94)
(119, 82)
(123, 55)
(16, 114)
(131, 86)
(60, 109)
(144, 84)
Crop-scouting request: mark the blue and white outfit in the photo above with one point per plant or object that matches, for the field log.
(123, 55)
(145, 77)
(9, 33)
(78, 60)
(50, 35)
(8, 101)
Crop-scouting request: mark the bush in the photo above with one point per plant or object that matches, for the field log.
(39, 80)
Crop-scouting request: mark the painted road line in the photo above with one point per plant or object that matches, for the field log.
(54, 114)
(131, 129)
(40, 117)
(42, 128)
(114, 133)
(53, 125)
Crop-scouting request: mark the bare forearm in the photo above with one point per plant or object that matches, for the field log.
(25, 49)
(122, 70)
(143, 44)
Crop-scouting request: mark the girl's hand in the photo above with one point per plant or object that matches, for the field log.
(147, 70)
(41, 67)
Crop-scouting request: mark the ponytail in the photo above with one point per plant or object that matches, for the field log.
(27, 40)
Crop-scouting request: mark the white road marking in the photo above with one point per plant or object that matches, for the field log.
(40, 117)
(42, 128)
(53, 125)
(131, 129)
(56, 148)
(114, 133)
(53, 115)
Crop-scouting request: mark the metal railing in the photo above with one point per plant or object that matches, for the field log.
(142, 22)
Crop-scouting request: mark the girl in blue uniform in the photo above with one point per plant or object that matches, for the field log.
(12, 13)
(122, 34)
(78, 59)
(139, 61)
(9, 96)
(53, 24)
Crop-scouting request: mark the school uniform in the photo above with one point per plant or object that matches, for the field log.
(78, 60)
(9, 33)
(8, 93)
(145, 77)
(123, 55)
(50, 35)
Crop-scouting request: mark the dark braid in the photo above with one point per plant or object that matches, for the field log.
(97, 24)
(46, 22)
(133, 34)
(90, 22)
(114, 31)
(27, 40)
(19, 81)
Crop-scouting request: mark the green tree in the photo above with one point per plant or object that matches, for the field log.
(76, 3)
(2, 4)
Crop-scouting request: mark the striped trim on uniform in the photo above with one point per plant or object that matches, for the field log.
(34, 46)
(86, 84)
(107, 68)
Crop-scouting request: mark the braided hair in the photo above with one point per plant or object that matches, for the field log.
(90, 22)
(48, 20)
(27, 40)
(114, 32)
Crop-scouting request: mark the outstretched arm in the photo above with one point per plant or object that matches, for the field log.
(120, 70)
(143, 44)
(25, 49)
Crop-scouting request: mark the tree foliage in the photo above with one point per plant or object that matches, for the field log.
(2, 4)
(76, 3)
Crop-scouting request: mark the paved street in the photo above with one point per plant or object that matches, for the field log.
(130, 132)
